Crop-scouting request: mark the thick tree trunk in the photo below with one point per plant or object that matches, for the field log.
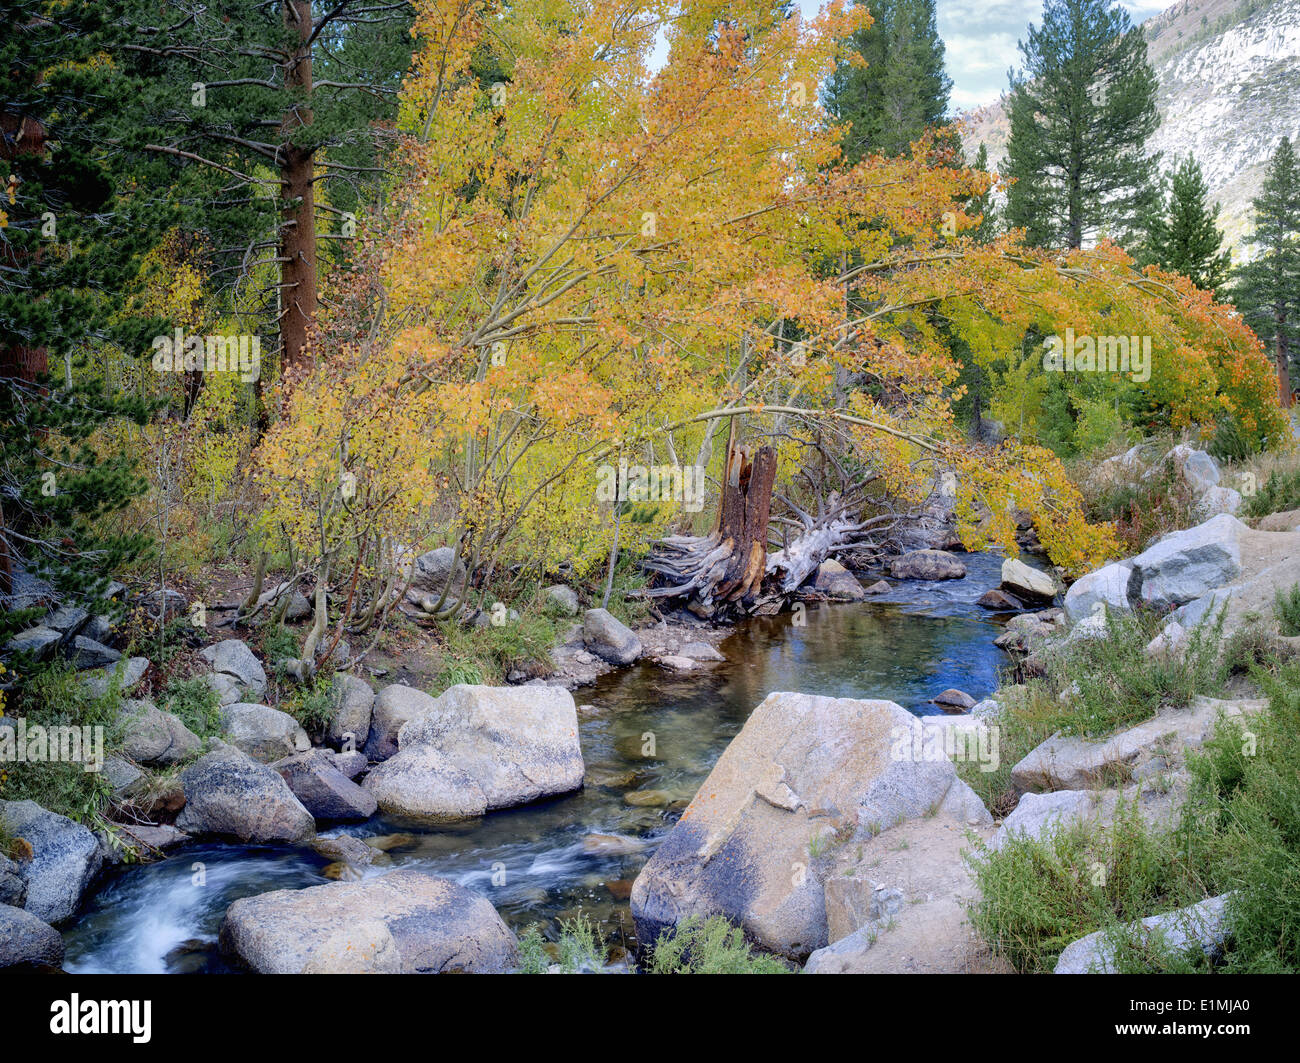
(728, 565)
(1282, 357)
(298, 227)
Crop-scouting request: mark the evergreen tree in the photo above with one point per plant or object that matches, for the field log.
(74, 227)
(903, 89)
(1267, 289)
(272, 117)
(983, 204)
(1080, 113)
(1183, 234)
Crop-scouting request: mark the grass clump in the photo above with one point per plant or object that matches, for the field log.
(1027, 715)
(711, 946)
(1286, 607)
(1112, 683)
(54, 696)
(196, 704)
(1038, 895)
(278, 642)
(1281, 491)
(312, 704)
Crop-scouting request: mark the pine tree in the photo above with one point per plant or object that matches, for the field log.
(903, 89)
(1080, 113)
(983, 204)
(1183, 234)
(271, 116)
(75, 224)
(1267, 289)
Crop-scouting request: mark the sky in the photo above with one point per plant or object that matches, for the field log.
(980, 38)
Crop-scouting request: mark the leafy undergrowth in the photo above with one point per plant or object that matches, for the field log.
(1111, 683)
(1280, 492)
(1239, 831)
(710, 946)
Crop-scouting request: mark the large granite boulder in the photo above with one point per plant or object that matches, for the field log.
(393, 707)
(404, 921)
(264, 733)
(124, 676)
(352, 701)
(1188, 564)
(65, 859)
(155, 738)
(24, 939)
(478, 748)
(230, 795)
(837, 582)
(434, 569)
(39, 641)
(805, 773)
(561, 599)
(1027, 584)
(927, 564)
(1107, 587)
(609, 638)
(233, 658)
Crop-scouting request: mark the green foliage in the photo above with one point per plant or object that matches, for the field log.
(1287, 609)
(580, 948)
(1261, 830)
(489, 652)
(1027, 715)
(196, 704)
(278, 642)
(533, 958)
(1281, 491)
(711, 946)
(1267, 289)
(1035, 896)
(901, 91)
(1080, 113)
(55, 696)
(1182, 233)
(312, 704)
(1118, 685)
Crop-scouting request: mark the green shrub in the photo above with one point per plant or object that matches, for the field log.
(312, 704)
(196, 704)
(1281, 491)
(1287, 609)
(1261, 833)
(1114, 684)
(580, 947)
(711, 946)
(1035, 896)
(1027, 715)
(279, 642)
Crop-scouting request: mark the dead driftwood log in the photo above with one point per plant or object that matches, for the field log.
(731, 568)
(729, 563)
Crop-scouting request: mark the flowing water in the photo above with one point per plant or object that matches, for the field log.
(641, 728)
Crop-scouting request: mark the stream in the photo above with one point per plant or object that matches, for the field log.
(532, 861)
